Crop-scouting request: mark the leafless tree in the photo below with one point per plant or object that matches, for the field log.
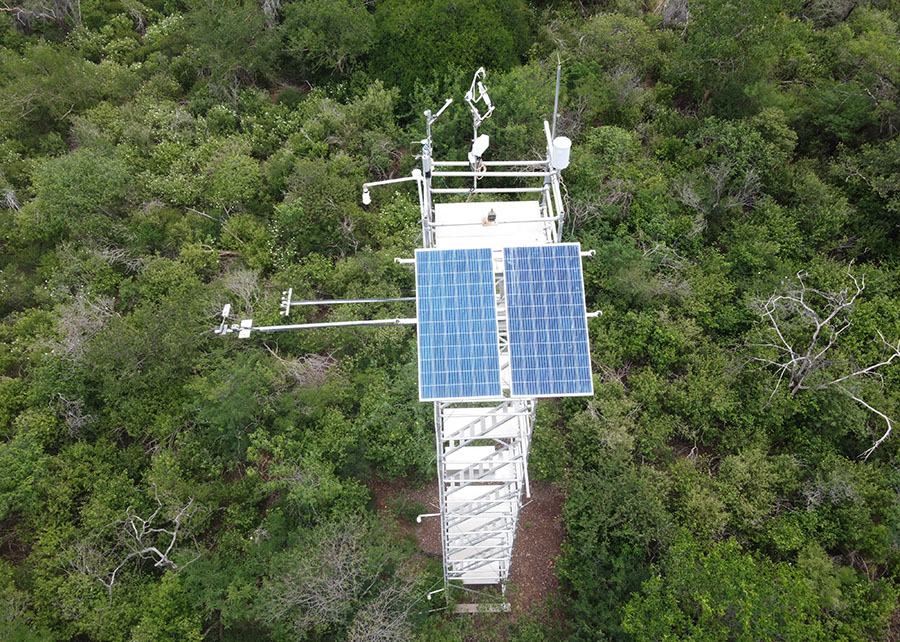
(77, 323)
(571, 119)
(800, 342)
(668, 269)
(271, 9)
(348, 226)
(80, 258)
(65, 13)
(321, 586)
(833, 487)
(220, 221)
(720, 193)
(614, 192)
(385, 618)
(340, 573)
(125, 257)
(136, 11)
(156, 538)
(829, 12)
(309, 370)
(244, 284)
(674, 13)
(71, 411)
(9, 201)
(627, 84)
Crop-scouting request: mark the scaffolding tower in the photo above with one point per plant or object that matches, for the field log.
(482, 445)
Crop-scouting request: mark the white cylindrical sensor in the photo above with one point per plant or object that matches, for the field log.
(559, 155)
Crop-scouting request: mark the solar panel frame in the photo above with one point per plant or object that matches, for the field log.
(563, 367)
(448, 384)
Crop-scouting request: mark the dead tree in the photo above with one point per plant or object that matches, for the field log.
(308, 370)
(721, 191)
(157, 538)
(321, 586)
(674, 13)
(340, 577)
(800, 342)
(64, 13)
(71, 411)
(78, 323)
(271, 10)
(244, 284)
(8, 200)
(386, 617)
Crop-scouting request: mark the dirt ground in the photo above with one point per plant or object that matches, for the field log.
(539, 536)
(388, 494)
(894, 629)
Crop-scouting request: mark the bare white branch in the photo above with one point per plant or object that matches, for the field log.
(62, 12)
(77, 323)
(800, 340)
(155, 538)
(887, 420)
(309, 370)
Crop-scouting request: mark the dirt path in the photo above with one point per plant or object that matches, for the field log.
(539, 537)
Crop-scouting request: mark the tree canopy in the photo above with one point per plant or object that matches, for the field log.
(736, 167)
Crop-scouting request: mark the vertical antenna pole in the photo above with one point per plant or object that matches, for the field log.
(556, 98)
(425, 183)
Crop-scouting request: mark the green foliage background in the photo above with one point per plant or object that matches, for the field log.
(159, 158)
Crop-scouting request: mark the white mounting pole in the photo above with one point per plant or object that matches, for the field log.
(287, 301)
(416, 175)
(427, 164)
(556, 97)
(479, 143)
(246, 327)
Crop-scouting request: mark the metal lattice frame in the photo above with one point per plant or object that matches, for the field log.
(482, 449)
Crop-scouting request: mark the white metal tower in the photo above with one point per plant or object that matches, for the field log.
(482, 445)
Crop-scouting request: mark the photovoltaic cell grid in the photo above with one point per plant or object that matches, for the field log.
(548, 338)
(459, 355)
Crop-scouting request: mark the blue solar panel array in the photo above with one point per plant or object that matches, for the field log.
(548, 338)
(459, 355)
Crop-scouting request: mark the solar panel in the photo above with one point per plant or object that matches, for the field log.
(459, 347)
(548, 338)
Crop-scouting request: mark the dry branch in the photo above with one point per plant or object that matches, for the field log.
(309, 370)
(808, 361)
(156, 538)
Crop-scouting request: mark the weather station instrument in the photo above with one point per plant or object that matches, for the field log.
(500, 320)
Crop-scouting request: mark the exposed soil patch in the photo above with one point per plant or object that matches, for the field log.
(391, 496)
(893, 634)
(538, 540)
(12, 548)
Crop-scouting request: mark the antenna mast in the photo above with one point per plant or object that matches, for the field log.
(480, 265)
(478, 94)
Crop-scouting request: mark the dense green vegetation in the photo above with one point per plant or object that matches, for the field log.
(159, 158)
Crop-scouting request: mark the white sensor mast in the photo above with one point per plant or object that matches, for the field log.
(472, 99)
(478, 94)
